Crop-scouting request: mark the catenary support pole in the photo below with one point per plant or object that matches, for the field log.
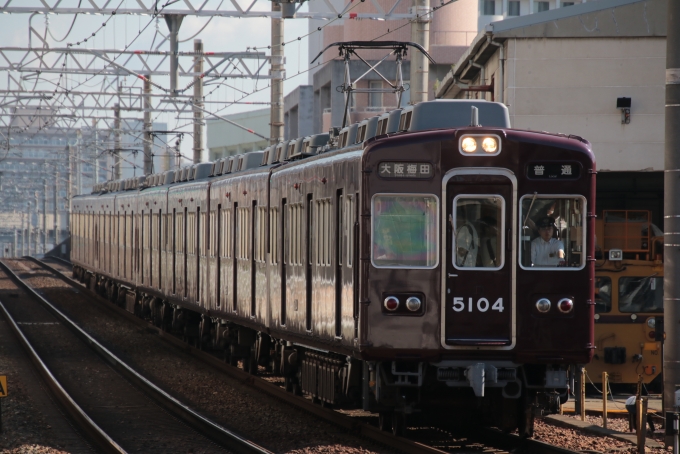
(671, 264)
(44, 218)
(420, 34)
(148, 139)
(95, 150)
(23, 234)
(198, 101)
(117, 162)
(56, 209)
(276, 120)
(174, 22)
(29, 228)
(37, 223)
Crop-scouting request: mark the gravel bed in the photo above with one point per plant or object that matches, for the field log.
(274, 424)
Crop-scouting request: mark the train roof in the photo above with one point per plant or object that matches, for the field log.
(429, 115)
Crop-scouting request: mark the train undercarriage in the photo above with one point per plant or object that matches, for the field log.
(454, 394)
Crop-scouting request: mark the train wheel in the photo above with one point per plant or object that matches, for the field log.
(385, 421)
(398, 423)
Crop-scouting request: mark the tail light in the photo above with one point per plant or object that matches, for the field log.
(565, 305)
(391, 303)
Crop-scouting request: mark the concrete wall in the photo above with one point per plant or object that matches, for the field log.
(571, 86)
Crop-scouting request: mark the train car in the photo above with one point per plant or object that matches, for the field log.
(629, 299)
(440, 268)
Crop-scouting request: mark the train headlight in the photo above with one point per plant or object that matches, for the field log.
(651, 322)
(413, 303)
(565, 305)
(391, 303)
(543, 305)
(490, 145)
(469, 145)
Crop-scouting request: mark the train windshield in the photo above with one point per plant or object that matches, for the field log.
(405, 231)
(603, 294)
(641, 294)
(552, 233)
(478, 224)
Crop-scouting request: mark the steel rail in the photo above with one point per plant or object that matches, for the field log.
(91, 430)
(490, 437)
(203, 425)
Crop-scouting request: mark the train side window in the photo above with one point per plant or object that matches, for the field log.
(603, 294)
(552, 232)
(405, 231)
(349, 229)
(641, 294)
(274, 236)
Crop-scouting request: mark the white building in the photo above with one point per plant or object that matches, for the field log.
(224, 139)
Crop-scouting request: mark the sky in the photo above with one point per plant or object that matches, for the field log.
(220, 35)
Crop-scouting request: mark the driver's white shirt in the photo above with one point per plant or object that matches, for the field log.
(546, 253)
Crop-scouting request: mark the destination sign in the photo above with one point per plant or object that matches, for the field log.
(420, 170)
(554, 170)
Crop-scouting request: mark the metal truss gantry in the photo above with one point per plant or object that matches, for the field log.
(201, 8)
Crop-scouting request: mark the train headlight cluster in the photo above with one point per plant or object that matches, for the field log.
(490, 144)
(479, 144)
(469, 145)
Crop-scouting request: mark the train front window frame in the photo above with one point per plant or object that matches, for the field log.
(603, 294)
(479, 240)
(567, 213)
(414, 246)
(637, 292)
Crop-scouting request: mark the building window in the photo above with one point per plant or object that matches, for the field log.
(567, 4)
(513, 8)
(489, 7)
(542, 6)
(375, 98)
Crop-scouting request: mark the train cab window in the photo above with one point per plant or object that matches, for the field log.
(478, 226)
(603, 294)
(552, 232)
(641, 294)
(405, 231)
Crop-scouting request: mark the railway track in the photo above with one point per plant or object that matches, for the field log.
(116, 408)
(427, 440)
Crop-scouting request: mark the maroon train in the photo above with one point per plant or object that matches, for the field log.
(389, 267)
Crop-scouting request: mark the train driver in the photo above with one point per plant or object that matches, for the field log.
(546, 250)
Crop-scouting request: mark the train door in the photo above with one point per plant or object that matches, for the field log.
(479, 308)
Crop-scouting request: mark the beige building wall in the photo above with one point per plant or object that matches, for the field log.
(571, 86)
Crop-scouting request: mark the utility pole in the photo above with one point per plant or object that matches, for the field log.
(174, 22)
(14, 252)
(420, 34)
(671, 265)
(148, 139)
(44, 218)
(276, 117)
(56, 208)
(198, 101)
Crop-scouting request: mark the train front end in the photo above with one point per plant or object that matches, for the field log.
(477, 271)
